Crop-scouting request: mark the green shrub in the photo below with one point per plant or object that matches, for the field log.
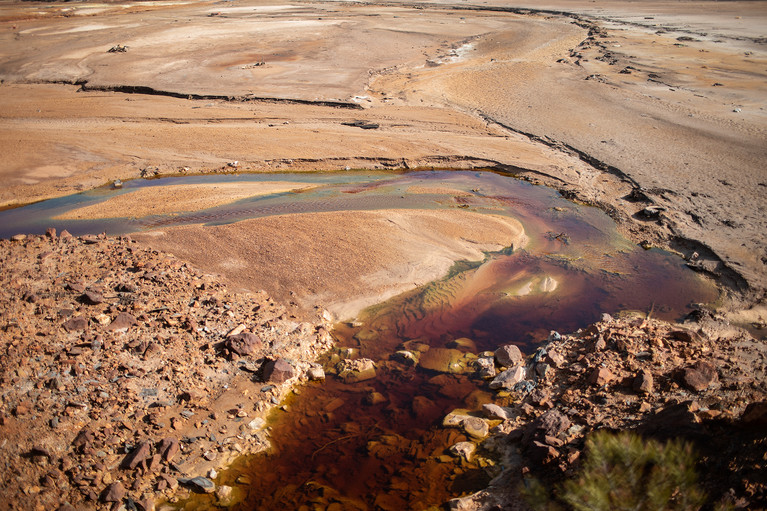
(626, 472)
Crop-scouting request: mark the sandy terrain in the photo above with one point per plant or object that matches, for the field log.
(367, 256)
(161, 200)
(622, 104)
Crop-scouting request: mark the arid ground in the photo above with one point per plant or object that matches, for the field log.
(652, 111)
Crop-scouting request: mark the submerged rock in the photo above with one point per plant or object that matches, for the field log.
(353, 371)
(444, 360)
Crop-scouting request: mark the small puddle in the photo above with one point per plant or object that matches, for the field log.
(379, 443)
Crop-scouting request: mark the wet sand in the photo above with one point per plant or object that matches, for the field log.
(162, 200)
(343, 261)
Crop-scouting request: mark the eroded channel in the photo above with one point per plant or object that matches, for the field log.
(372, 437)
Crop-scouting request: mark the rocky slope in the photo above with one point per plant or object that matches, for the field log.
(125, 371)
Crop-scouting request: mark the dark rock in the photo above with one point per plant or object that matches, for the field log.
(113, 493)
(76, 323)
(509, 355)
(198, 484)
(168, 447)
(136, 457)
(542, 453)
(643, 382)
(755, 414)
(278, 371)
(123, 321)
(91, 297)
(699, 377)
(243, 344)
(552, 423)
(83, 439)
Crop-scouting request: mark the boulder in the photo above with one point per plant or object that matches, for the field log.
(463, 450)
(700, 376)
(643, 382)
(493, 411)
(443, 360)
(353, 371)
(508, 378)
(123, 321)
(243, 344)
(278, 371)
(113, 493)
(137, 456)
(198, 484)
(509, 355)
(475, 427)
(600, 376)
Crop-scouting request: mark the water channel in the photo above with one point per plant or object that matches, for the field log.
(379, 443)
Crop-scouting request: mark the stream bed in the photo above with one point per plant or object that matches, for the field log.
(377, 441)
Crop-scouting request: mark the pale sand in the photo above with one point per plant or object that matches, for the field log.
(344, 261)
(162, 200)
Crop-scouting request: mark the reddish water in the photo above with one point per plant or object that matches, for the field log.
(339, 448)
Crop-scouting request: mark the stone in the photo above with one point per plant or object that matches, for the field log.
(700, 376)
(508, 378)
(375, 398)
(404, 357)
(354, 371)
(243, 344)
(443, 360)
(91, 297)
(18, 237)
(278, 371)
(113, 493)
(542, 453)
(136, 457)
(755, 414)
(463, 343)
(554, 359)
(475, 427)
(486, 367)
(509, 355)
(83, 439)
(550, 424)
(198, 484)
(422, 406)
(493, 411)
(600, 376)
(455, 418)
(643, 382)
(168, 448)
(76, 323)
(224, 495)
(463, 450)
(122, 321)
(51, 232)
(316, 372)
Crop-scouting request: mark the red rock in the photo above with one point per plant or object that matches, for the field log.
(555, 359)
(700, 376)
(509, 355)
(123, 321)
(278, 371)
(51, 233)
(755, 414)
(136, 456)
(643, 382)
(168, 448)
(113, 493)
(601, 376)
(243, 344)
(76, 323)
(91, 297)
